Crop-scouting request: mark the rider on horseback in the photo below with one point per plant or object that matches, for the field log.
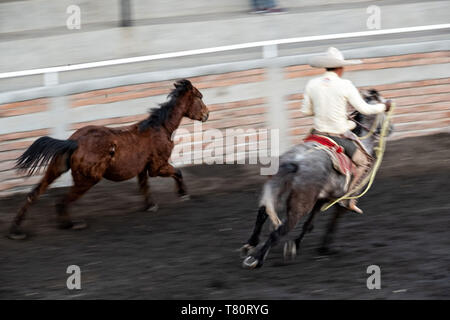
(326, 98)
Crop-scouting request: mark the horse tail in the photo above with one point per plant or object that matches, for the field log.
(268, 202)
(42, 151)
(271, 191)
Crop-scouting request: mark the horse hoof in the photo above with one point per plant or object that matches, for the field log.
(17, 235)
(325, 251)
(73, 225)
(250, 263)
(186, 197)
(153, 208)
(79, 225)
(289, 251)
(246, 250)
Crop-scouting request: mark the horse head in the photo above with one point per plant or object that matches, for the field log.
(373, 123)
(195, 107)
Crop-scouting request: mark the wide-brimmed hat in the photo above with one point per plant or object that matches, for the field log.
(333, 59)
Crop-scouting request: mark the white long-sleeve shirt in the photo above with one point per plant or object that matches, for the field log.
(326, 98)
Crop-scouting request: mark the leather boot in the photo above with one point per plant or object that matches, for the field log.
(362, 162)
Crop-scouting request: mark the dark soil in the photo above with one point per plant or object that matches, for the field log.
(188, 250)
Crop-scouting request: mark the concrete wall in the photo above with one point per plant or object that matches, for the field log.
(419, 83)
(16, 16)
(42, 46)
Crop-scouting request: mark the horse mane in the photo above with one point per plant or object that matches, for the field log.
(358, 117)
(370, 96)
(158, 116)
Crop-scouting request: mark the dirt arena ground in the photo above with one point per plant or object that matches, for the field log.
(188, 250)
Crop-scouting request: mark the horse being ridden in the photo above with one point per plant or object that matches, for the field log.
(305, 181)
(95, 152)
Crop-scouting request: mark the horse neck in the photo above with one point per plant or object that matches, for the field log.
(369, 142)
(174, 119)
(372, 141)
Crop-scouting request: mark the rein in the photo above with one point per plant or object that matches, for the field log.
(371, 130)
(379, 152)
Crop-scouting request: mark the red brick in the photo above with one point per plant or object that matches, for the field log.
(22, 104)
(10, 155)
(24, 134)
(15, 145)
(20, 111)
(108, 121)
(422, 108)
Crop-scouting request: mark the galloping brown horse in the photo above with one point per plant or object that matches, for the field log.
(95, 152)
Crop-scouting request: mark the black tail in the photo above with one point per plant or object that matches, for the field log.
(42, 151)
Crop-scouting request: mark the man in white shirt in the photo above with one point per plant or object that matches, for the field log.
(326, 99)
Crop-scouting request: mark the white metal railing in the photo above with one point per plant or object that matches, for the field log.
(269, 51)
(59, 114)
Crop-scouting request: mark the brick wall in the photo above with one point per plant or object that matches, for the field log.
(423, 107)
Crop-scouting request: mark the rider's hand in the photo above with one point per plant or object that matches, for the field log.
(388, 105)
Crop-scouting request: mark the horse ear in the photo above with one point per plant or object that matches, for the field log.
(187, 83)
(183, 83)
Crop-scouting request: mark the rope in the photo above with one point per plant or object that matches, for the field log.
(371, 130)
(379, 152)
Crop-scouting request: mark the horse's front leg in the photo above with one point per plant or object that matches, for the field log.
(331, 228)
(170, 171)
(149, 204)
(308, 225)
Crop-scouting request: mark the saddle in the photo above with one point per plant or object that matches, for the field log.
(341, 162)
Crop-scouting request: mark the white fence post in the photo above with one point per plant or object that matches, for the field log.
(125, 13)
(276, 113)
(58, 119)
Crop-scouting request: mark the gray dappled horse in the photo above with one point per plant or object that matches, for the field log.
(305, 181)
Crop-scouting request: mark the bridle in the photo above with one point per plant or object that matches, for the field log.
(370, 131)
(373, 129)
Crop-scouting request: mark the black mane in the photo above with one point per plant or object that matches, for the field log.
(159, 115)
(370, 96)
(358, 129)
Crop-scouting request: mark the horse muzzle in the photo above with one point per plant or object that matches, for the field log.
(205, 117)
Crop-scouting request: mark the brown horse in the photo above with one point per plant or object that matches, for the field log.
(95, 152)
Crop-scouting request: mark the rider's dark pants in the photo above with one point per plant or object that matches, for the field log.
(348, 145)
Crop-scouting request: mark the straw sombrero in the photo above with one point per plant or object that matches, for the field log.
(333, 59)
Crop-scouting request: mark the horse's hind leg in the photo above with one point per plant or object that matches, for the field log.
(56, 168)
(170, 171)
(254, 238)
(256, 260)
(80, 187)
(296, 208)
(331, 228)
(149, 204)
